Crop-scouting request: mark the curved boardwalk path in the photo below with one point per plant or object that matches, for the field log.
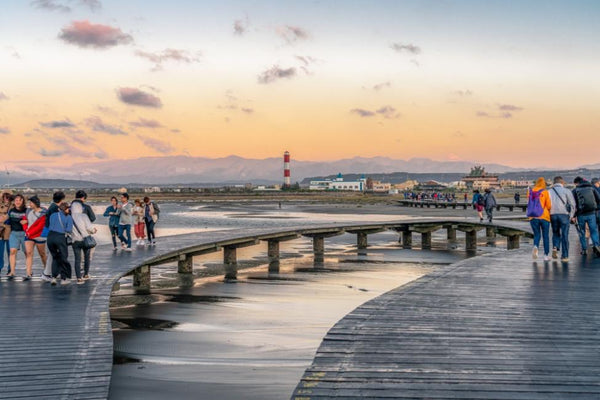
(56, 342)
(486, 328)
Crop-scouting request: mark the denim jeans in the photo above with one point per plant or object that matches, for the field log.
(78, 251)
(125, 229)
(590, 220)
(4, 247)
(560, 233)
(541, 230)
(114, 233)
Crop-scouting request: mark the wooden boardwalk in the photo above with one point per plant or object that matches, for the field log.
(486, 328)
(56, 342)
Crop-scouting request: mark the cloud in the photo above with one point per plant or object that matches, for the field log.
(362, 112)
(292, 34)
(93, 5)
(509, 107)
(85, 34)
(168, 54)
(505, 115)
(146, 123)
(458, 134)
(240, 26)
(97, 125)
(388, 112)
(58, 124)
(64, 147)
(381, 86)
(247, 110)
(482, 114)
(275, 73)
(463, 93)
(50, 5)
(4, 130)
(306, 60)
(13, 52)
(176, 130)
(157, 145)
(405, 48)
(137, 97)
(3, 96)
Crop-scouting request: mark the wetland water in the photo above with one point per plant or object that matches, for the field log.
(253, 339)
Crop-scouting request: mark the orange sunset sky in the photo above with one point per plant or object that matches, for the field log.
(510, 82)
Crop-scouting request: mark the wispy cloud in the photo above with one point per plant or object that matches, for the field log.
(146, 123)
(505, 111)
(462, 93)
(405, 48)
(64, 5)
(160, 146)
(158, 58)
(362, 112)
(387, 112)
(97, 125)
(482, 114)
(3, 96)
(275, 73)
(138, 97)
(63, 146)
(240, 26)
(4, 130)
(292, 34)
(380, 86)
(509, 107)
(93, 5)
(87, 35)
(247, 110)
(58, 124)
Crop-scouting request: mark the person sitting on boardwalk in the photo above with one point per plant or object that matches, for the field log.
(36, 219)
(562, 211)
(61, 226)
(489, 203)
(125, 211)
(112, 212)
(587, 201)
(478, 203)
(538, 211)
(82, 227)
(5, 205)
(17, 218)
(151, 215)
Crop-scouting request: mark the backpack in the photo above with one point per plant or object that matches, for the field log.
(534, 205)
(586, 201)
(156, 209)
(480, 200)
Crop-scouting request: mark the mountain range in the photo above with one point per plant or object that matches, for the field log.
(234, 169)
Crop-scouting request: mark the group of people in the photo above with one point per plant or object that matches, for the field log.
(485, 201)
(435, 196)
(556, 208)
(30, 226)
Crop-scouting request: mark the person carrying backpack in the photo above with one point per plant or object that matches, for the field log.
(489, 202)
(587, 201)
(563, 210)
(478, 203)
(538, 211)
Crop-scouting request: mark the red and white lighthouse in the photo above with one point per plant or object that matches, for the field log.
(286, 170)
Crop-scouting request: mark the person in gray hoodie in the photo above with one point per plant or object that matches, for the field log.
(489, 204)
(562, 211)
(82, 227)
(125, 210)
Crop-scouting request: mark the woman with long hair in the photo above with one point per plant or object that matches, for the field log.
(112, 214)
(17, 218)
(60, 226)
(5, 205)
(36, 219)
(538, 211)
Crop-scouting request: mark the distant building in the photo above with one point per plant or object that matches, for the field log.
(407, 185)
(479, 179)
(153, 189)
(432, 186)
(338, 183)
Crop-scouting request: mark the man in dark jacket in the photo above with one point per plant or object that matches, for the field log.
(490, 204)
(587, 200)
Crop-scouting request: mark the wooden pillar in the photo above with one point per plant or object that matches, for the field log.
(273, 254)
(426, 240)
(490, 232)
(471, 240)
(407, 239)
(451, 234)
(361, 240)
(230, 261)
(141, 279)
(513, 242)
(319, 248)
(185, 264)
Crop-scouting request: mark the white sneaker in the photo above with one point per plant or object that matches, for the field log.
(65, 282)
(547, 258)
(534, 254)
(53, 282)
(115, 248)
(127, 249)
(46, 278)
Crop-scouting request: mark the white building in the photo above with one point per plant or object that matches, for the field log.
(339, 184)
(154, 189)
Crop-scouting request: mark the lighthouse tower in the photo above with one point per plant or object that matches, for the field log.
(286, 170)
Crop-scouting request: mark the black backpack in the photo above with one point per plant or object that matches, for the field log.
(586, 200)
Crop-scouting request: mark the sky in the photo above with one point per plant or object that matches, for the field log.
(509, 82)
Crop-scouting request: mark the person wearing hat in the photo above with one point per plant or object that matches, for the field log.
(36, 219)
(5, 205)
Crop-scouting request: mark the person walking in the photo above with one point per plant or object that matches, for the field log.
(587, 201)
(478, 203)
(596, 185)
(61, 227)
(139, 223)
(151, 215)
(538, 211)
(57, 198)
(562, 211)
(112, 213)
(125, 210)
(489, 203)
(5, 205)
(17, 218)
(36, 219)
(517, 198)
(82, 227)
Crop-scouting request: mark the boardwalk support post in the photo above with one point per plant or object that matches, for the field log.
(451, 231)
(273, 254)
(230, 261)
(513, 242)
(319, 248)
(407, 239)
(426, 240)
(185, 264)
(361, 240)
(471, 240)
(141, 279)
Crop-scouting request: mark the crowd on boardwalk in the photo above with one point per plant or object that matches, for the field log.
(556, 208)
(63, 225)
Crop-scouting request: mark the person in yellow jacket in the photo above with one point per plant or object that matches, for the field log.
(538, 211)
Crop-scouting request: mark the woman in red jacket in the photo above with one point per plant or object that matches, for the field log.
(36, 219)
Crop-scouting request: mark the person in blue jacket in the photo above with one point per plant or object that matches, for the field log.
(112, 214)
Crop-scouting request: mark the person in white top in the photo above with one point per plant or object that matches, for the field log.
(562, 211)
(82, 227)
